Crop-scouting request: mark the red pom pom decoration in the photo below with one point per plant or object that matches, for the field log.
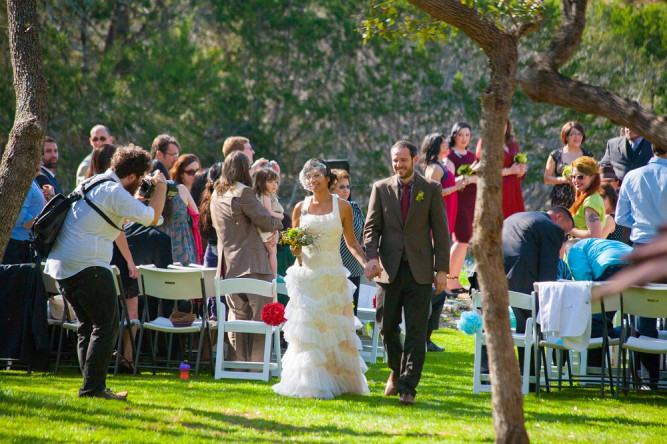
(273, 314)
(375, 299)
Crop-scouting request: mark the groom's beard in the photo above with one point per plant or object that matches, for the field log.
(405, 173)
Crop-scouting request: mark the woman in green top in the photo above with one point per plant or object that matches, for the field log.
(588, 208)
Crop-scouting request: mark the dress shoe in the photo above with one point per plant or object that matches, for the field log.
(407, 399)
(108, 394)
(391, 389)
(432, 347)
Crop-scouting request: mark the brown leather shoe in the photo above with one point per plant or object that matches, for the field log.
(407, 399)
(391, 389)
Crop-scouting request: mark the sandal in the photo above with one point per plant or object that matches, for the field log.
(457, 291)
(125, 366)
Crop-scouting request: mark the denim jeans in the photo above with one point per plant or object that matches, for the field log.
(92, 295)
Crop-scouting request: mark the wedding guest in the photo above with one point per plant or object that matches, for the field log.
(626, 153)
(20, 246)
(237, 214)
(183, 173)
(164, 152)
(458, 141)
(205, 222)
(179, 213)
(611, 230)
(608, 176)
(99, 135)
(438, 167)
(513, 173)
(341, 187)
(573, 136)
(588, 208)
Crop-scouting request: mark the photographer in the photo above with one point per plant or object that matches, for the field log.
(80, 259)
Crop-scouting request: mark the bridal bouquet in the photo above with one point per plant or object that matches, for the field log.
(520, 158)
(296, 238)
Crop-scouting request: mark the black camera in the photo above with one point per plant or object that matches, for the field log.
(147, 189)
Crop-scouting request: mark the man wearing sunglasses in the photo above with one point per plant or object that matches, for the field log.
(99, 135)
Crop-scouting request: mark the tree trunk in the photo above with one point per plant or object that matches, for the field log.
(507, 399)
(502, 50)
(24, 147)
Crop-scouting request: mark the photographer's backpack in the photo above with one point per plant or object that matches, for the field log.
(50, 221)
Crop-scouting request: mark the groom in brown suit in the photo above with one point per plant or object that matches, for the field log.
(406, 228)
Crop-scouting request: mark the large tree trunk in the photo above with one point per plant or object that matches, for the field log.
(502, 50)
(507, 399)
(24, 147)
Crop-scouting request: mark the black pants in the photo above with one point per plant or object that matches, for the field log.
(17, 252)
(356, 280)
(93, 297)
(404, 293)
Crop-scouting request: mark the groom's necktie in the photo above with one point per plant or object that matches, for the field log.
(405, 200)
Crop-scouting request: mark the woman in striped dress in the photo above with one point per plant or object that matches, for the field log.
(341, 187)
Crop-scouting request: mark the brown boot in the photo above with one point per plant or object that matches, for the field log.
(391, 389)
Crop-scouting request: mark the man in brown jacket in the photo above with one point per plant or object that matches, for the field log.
(236, 215)
(406, 228)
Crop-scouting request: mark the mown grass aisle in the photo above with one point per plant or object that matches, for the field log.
(164, 408)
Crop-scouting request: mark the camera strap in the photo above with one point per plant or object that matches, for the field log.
(85, 190)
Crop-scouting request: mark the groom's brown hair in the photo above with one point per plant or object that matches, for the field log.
(405, 144)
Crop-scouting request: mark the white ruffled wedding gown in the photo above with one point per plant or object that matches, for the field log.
(322, 358)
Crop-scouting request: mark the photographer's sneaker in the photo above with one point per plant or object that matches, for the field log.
(108, 394)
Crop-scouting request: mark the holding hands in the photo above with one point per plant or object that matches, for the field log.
(372, 269)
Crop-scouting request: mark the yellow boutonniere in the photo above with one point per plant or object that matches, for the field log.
(420, 196)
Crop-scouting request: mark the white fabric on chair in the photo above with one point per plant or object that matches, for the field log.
(565, 311)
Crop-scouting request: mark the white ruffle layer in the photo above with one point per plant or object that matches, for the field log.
(322, 359)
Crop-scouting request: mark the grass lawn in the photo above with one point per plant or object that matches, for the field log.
(163, 408)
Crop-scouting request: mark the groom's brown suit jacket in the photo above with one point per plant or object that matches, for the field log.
(424, 237)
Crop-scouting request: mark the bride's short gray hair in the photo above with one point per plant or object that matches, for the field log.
(315, 164)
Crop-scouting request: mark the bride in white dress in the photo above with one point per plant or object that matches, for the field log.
(322, 359)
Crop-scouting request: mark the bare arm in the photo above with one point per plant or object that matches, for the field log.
(187, 198)
(159, 196)
(593, 225)
(609, 226)
(266, 202)
(347, 219)
(550, 177)
(121, 243)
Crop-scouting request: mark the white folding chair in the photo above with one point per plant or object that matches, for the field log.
(267, 367)
(609, 304)
(370, 349)
(649, 301)
(173, 285)
(521, 340)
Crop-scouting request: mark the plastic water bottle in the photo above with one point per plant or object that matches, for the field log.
(185, 370)
(512, 319)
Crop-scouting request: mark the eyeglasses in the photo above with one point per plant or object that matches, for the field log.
(172, 154)
(315, 176)
(343, 187)
(579, 177)
(190, 172)
(575, 134)
(101, 139)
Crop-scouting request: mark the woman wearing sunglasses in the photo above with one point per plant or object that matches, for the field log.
(182, 222)
(588, 208)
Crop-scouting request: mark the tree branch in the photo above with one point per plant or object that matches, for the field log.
(568, 36)
(468, 20)
(549, 86)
